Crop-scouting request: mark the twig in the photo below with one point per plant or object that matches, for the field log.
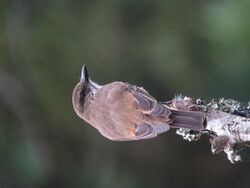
(228, 125)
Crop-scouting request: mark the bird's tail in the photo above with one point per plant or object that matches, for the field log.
(192, 120)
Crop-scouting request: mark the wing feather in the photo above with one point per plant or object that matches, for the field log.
(146, 130)
(149, 104)
(150, 107)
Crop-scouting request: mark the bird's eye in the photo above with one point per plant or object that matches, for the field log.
(81, 95)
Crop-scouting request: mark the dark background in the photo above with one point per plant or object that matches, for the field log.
(195, 47)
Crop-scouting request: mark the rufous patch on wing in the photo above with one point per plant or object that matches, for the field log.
(132, 132)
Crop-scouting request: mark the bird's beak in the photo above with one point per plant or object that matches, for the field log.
(85, 79)
(84, 74)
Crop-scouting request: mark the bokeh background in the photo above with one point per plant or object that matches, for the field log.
(195, 47)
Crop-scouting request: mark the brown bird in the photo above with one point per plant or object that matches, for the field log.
(121, 111)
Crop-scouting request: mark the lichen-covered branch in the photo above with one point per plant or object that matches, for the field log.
(228, 125)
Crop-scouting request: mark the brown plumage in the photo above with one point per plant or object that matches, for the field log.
(120, 111)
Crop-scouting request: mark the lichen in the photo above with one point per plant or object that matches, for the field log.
(228, 125)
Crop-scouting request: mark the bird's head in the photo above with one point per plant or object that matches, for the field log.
(83, 91)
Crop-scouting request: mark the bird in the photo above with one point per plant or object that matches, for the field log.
(124, 112)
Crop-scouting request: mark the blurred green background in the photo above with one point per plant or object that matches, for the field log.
(195, 47)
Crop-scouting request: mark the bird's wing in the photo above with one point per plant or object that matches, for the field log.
(150, 107)
(148, 130)
(149, 104)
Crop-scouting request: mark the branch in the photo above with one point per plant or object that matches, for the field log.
(228, 125)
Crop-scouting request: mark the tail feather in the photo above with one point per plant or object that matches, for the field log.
(190, 120)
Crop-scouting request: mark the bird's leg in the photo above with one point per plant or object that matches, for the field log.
(242, 112)
(209, 133)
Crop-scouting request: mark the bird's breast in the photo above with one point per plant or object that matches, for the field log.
(113, 112)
